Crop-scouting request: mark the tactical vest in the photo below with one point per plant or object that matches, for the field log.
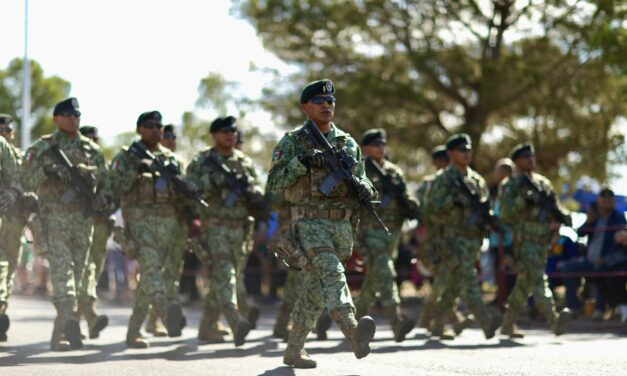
(389, 210)
(306, 187)
(236, 164)
(149, 190)
(77, 155)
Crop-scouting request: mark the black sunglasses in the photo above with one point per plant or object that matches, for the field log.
(70, 113)
(152, 125)
(319, 99)
(169, 136)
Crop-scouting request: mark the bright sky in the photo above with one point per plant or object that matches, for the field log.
(125, 57)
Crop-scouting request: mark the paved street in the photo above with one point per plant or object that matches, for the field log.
(594, 349)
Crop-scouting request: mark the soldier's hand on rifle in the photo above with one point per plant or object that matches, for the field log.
(313, 158)
(58, 172)
(29, 202)
(8, 197)
(144, 166)
(363, 192)
(101, 202)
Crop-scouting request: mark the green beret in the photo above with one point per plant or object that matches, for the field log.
(439, 152)
(69, 106)
(223, 123)
(317, 87)
(376, 136)
(6, 119)
(88, 130)
(520, 149)
(458, 139)
(149, 115)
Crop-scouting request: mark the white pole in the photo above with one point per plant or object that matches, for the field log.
(25, 134)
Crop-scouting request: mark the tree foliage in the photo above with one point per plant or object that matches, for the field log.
(504, 71)
(45, 93)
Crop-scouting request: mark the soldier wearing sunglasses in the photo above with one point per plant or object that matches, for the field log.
(322, 226)
(151, 208)
(65, 214)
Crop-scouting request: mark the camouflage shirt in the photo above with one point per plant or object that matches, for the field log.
(519, 207)
(9, 166)
(446, 205)
(81, 151)
(143, 190)
(212, 186)
(391, 209)
(300, 184)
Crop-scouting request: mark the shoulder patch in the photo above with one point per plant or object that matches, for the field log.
(277, 154)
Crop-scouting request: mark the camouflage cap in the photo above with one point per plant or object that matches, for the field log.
(226, 123)
(149, 115)
(522, 149)
(376, 136)
(439, 152)
(67, 106)
(459, 139)
(324, 86)
(6, 119)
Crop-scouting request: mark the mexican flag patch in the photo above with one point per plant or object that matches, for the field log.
(277, 154)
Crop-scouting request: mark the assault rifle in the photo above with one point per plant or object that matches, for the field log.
(79, 184)
(392, 190)
(481, 214)
(340, 164)
(239, 186)
(169, 173)
(548, 202)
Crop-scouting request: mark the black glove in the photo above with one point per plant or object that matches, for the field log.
(8, 197)
(101, 202)
(58, 172)
(144, 166)
(313, 158)
(363, 192)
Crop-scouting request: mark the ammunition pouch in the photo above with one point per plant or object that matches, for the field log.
(127, 245)
(289, 252)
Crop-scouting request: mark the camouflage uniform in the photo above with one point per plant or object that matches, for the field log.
(68, 231)
(323, 227)
(223, 240)
(458, 243)
(520, 209)
(10, 228)
(151, 219)
(380, 251)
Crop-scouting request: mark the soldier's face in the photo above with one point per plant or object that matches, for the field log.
(460, 156)
(225, 139)
(320, 108)
(376, 152)
(7, 133)
(440, 163)
(169, 141)
(150, 133)
(526, 162)
(68, 122)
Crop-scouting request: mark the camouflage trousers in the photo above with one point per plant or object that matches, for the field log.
(328, 245)
(294, 282)
(11, 230)
(69, 236)
(155, 238)
(457, 276)
(530, 263)
(95, 262)
(380, 252)
(227, 254)
(174, 265)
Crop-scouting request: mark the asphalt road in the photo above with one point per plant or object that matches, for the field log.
(592, 349)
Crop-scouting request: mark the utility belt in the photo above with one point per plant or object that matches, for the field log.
(224, 222)
(301, 212)
(153, 211)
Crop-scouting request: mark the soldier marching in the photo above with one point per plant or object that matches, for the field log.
(330, 193)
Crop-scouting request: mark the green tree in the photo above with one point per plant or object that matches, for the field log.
(503, 71)
(45, 93)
